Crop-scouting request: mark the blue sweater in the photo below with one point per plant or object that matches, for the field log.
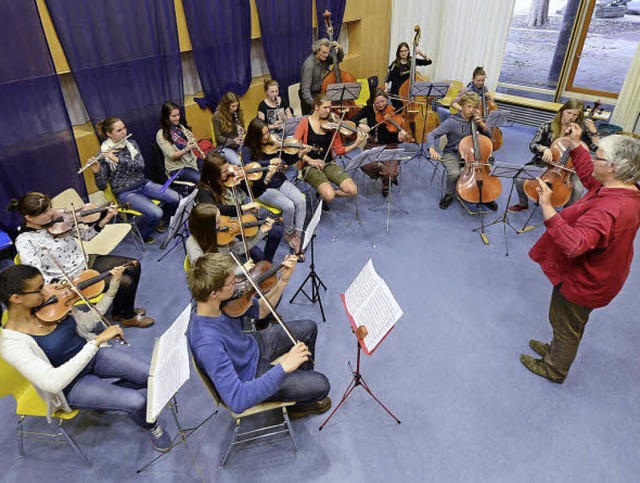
(230, 358)
(456, 128)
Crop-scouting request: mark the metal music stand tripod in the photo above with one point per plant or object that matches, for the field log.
(316, 283)
(512, 172)
(178, 225)
(433, 91)
(347, 91)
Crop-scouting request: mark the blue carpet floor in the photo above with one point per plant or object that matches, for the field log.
(449, 370)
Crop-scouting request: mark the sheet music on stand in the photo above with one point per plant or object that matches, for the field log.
(169, 365)
(178, 218)
(356, 161)
(347, 91)
(497, 118)
(436, 90)
(311, 227)
(517, 171)
(370, 303)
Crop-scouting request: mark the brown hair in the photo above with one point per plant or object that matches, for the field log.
(319, 99)
(211, 176)
(270, 82)
(227, 122)
(253, 139)
(106, 126)
(202, 225)
(208, 274)
(478, 71)
(31, 204)
(556, 123)
(400, 46)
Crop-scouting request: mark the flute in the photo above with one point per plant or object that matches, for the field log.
(102, 153)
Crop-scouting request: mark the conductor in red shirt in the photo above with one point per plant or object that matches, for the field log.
(587, 249)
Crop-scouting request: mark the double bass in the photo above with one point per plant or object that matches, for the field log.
(336, 75)
(475, 184)
(412, 112)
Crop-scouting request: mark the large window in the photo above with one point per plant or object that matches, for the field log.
(569, 48)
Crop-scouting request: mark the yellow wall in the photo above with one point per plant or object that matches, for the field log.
(368, 23)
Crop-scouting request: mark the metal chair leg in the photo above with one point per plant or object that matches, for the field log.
(287, 423)
(233, 440)
(73, 444)
(20, 436)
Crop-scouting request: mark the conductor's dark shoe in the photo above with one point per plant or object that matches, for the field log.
(492, 205)
(539, 368)
(445, 201)
(539, 348)
(301, 410)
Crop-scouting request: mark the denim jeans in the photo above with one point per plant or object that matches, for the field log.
(127, 394)
(270, 247)
(291, 201)
(231, 156)
(188, 174)
(139, 199)
(304, 384)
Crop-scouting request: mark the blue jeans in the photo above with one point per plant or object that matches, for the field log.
(270, 247)
(139, 199)
(304, 384)
(231, 156)
(127, 394)
(188, 174)
(291, 201)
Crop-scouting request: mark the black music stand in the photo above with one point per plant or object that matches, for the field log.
(178, 225)
(513, 172)
(391, 155)
(346, 91)
(433, 90)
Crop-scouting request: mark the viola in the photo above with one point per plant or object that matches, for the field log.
(229, 228)
(475, 184)
(557, 176)
(64, 221)
(60, 297)
(253, 172)
(264, 275)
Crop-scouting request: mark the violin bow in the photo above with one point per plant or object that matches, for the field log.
(103, 320)
(336, 132)
(244, 173)
(264, 298)
(245, 243)
(80, 242)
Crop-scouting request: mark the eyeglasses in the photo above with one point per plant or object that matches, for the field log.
(38, 290)
(602, 160)
(234, 281)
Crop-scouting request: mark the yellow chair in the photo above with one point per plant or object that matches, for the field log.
(29, 403)
(271, 209)
(258, 433)
(187, 263)
(365, 93)
(454, 88)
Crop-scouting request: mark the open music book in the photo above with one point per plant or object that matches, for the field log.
(169, 365)
(370, 303)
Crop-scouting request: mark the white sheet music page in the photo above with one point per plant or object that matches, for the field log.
(369, 302)
(169, 365)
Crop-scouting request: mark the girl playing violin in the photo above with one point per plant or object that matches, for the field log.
(176, 145)
(34, 238)
(572, 111)
(280, 192)
(123, 169)
(212, 190)
(228, 127)
(64, 360)
(400, 69)
(274, 109)
(382, 132)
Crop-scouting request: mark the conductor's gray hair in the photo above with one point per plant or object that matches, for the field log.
(623, 153)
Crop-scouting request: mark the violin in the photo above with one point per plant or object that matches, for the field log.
(346, 128)
(64, 221)
(475, 184)
(263, 274)
(253, 172)
(394, 122)
(229, 228)
(59, 297)
(289, 145)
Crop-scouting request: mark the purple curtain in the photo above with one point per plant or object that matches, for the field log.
(286, 39)
(37, 148)
(220, 32)
(336, 7)
(125, 59)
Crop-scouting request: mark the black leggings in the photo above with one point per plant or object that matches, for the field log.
(126, 294)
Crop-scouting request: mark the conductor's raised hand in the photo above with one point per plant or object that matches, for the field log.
(298, 355)
(574, 132)
(544, 193)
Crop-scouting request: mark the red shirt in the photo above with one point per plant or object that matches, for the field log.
(302, 134)
(588, 247)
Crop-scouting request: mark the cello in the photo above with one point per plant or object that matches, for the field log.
(475, 184)
(489, 105)
(336, 75)
(412, 114)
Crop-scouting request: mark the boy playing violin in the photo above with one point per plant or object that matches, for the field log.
(241, 365)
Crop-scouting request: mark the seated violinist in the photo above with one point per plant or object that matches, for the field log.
(279, 192)
(35, 242)
(476, 85)
(243, 366)
(572, 111)
(456, 128)
(213, 190)
(320, 169)
(65, 361)
(382, 132)
(122, 167)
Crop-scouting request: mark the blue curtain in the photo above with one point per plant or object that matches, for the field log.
(125, 59)
(336, 7)
(286, 38)
(220, 32)
(37, 149)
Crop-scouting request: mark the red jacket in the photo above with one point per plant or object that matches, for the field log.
(588, 247)
(302, 134)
